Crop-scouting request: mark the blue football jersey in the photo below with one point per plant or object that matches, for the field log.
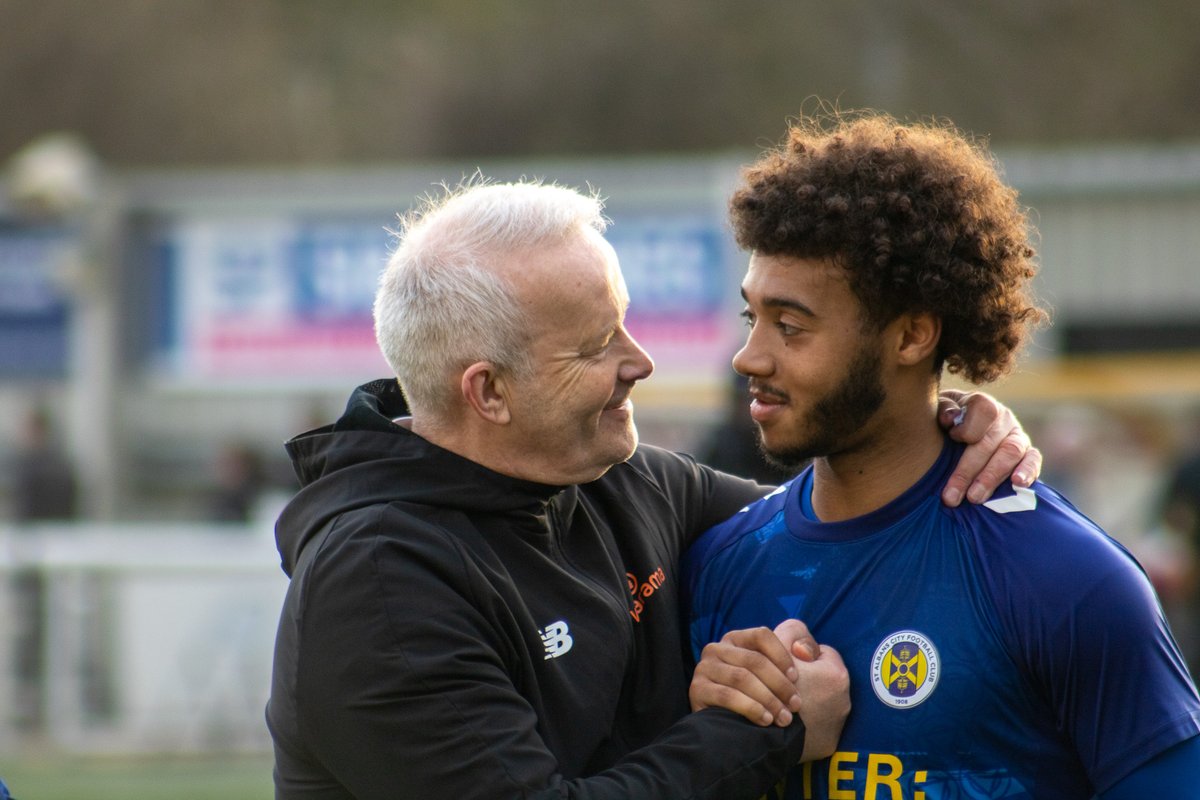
(1010, 649)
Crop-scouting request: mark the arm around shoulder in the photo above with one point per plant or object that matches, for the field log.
(700, 495)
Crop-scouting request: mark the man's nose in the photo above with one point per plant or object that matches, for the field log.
(637, 365)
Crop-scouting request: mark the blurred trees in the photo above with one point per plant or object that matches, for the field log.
(209, 82)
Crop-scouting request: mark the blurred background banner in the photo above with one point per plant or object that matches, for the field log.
(33, 303)
(254, 300)
(677, 270)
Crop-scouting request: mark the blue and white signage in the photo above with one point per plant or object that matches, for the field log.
(277, 298)
(34, 304)
(271, 298)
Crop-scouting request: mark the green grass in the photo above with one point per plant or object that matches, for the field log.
(233, 778)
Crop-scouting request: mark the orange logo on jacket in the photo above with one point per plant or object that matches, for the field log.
(640, 592)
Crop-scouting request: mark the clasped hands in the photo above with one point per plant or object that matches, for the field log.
(771, 676)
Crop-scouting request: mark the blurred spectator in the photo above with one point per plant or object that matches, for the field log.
(44, 485)
(1067, 436)
(241, 482)
(44, 489)
(1179, 524)
(1181, 501)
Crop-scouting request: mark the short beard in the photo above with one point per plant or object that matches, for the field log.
(837, 416)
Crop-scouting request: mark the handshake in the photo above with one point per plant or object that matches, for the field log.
(771, 676)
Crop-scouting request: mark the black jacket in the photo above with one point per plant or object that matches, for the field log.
(453, 632)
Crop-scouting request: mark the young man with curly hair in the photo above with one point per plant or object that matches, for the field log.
(1009, 649)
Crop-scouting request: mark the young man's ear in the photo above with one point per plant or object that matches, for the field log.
(918, 337)
(486, 392)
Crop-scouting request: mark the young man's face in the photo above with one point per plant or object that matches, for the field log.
(572, 416)
(815, 374)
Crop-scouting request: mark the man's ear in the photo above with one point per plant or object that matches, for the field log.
(486, 392)
(919, 336)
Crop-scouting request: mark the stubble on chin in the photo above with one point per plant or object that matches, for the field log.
(835, 418)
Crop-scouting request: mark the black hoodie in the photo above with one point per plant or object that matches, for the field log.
(453, 632)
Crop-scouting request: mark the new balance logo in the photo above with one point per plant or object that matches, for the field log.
(556, 639)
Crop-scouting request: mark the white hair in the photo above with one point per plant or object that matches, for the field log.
(441, 305)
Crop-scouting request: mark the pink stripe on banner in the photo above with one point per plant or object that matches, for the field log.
(288, 351)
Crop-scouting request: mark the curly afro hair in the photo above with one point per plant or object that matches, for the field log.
(918, 217)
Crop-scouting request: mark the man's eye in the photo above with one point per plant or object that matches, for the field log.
(598, 349)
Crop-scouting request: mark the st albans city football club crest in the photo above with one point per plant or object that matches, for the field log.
(905, 669)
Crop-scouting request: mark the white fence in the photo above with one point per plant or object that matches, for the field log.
(137, 638)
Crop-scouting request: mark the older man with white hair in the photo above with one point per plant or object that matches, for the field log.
(484, 594)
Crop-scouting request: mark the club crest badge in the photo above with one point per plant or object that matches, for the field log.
(905, 669)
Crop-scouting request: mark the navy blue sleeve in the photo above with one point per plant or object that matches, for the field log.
(1174, 773)
(1084, 624)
